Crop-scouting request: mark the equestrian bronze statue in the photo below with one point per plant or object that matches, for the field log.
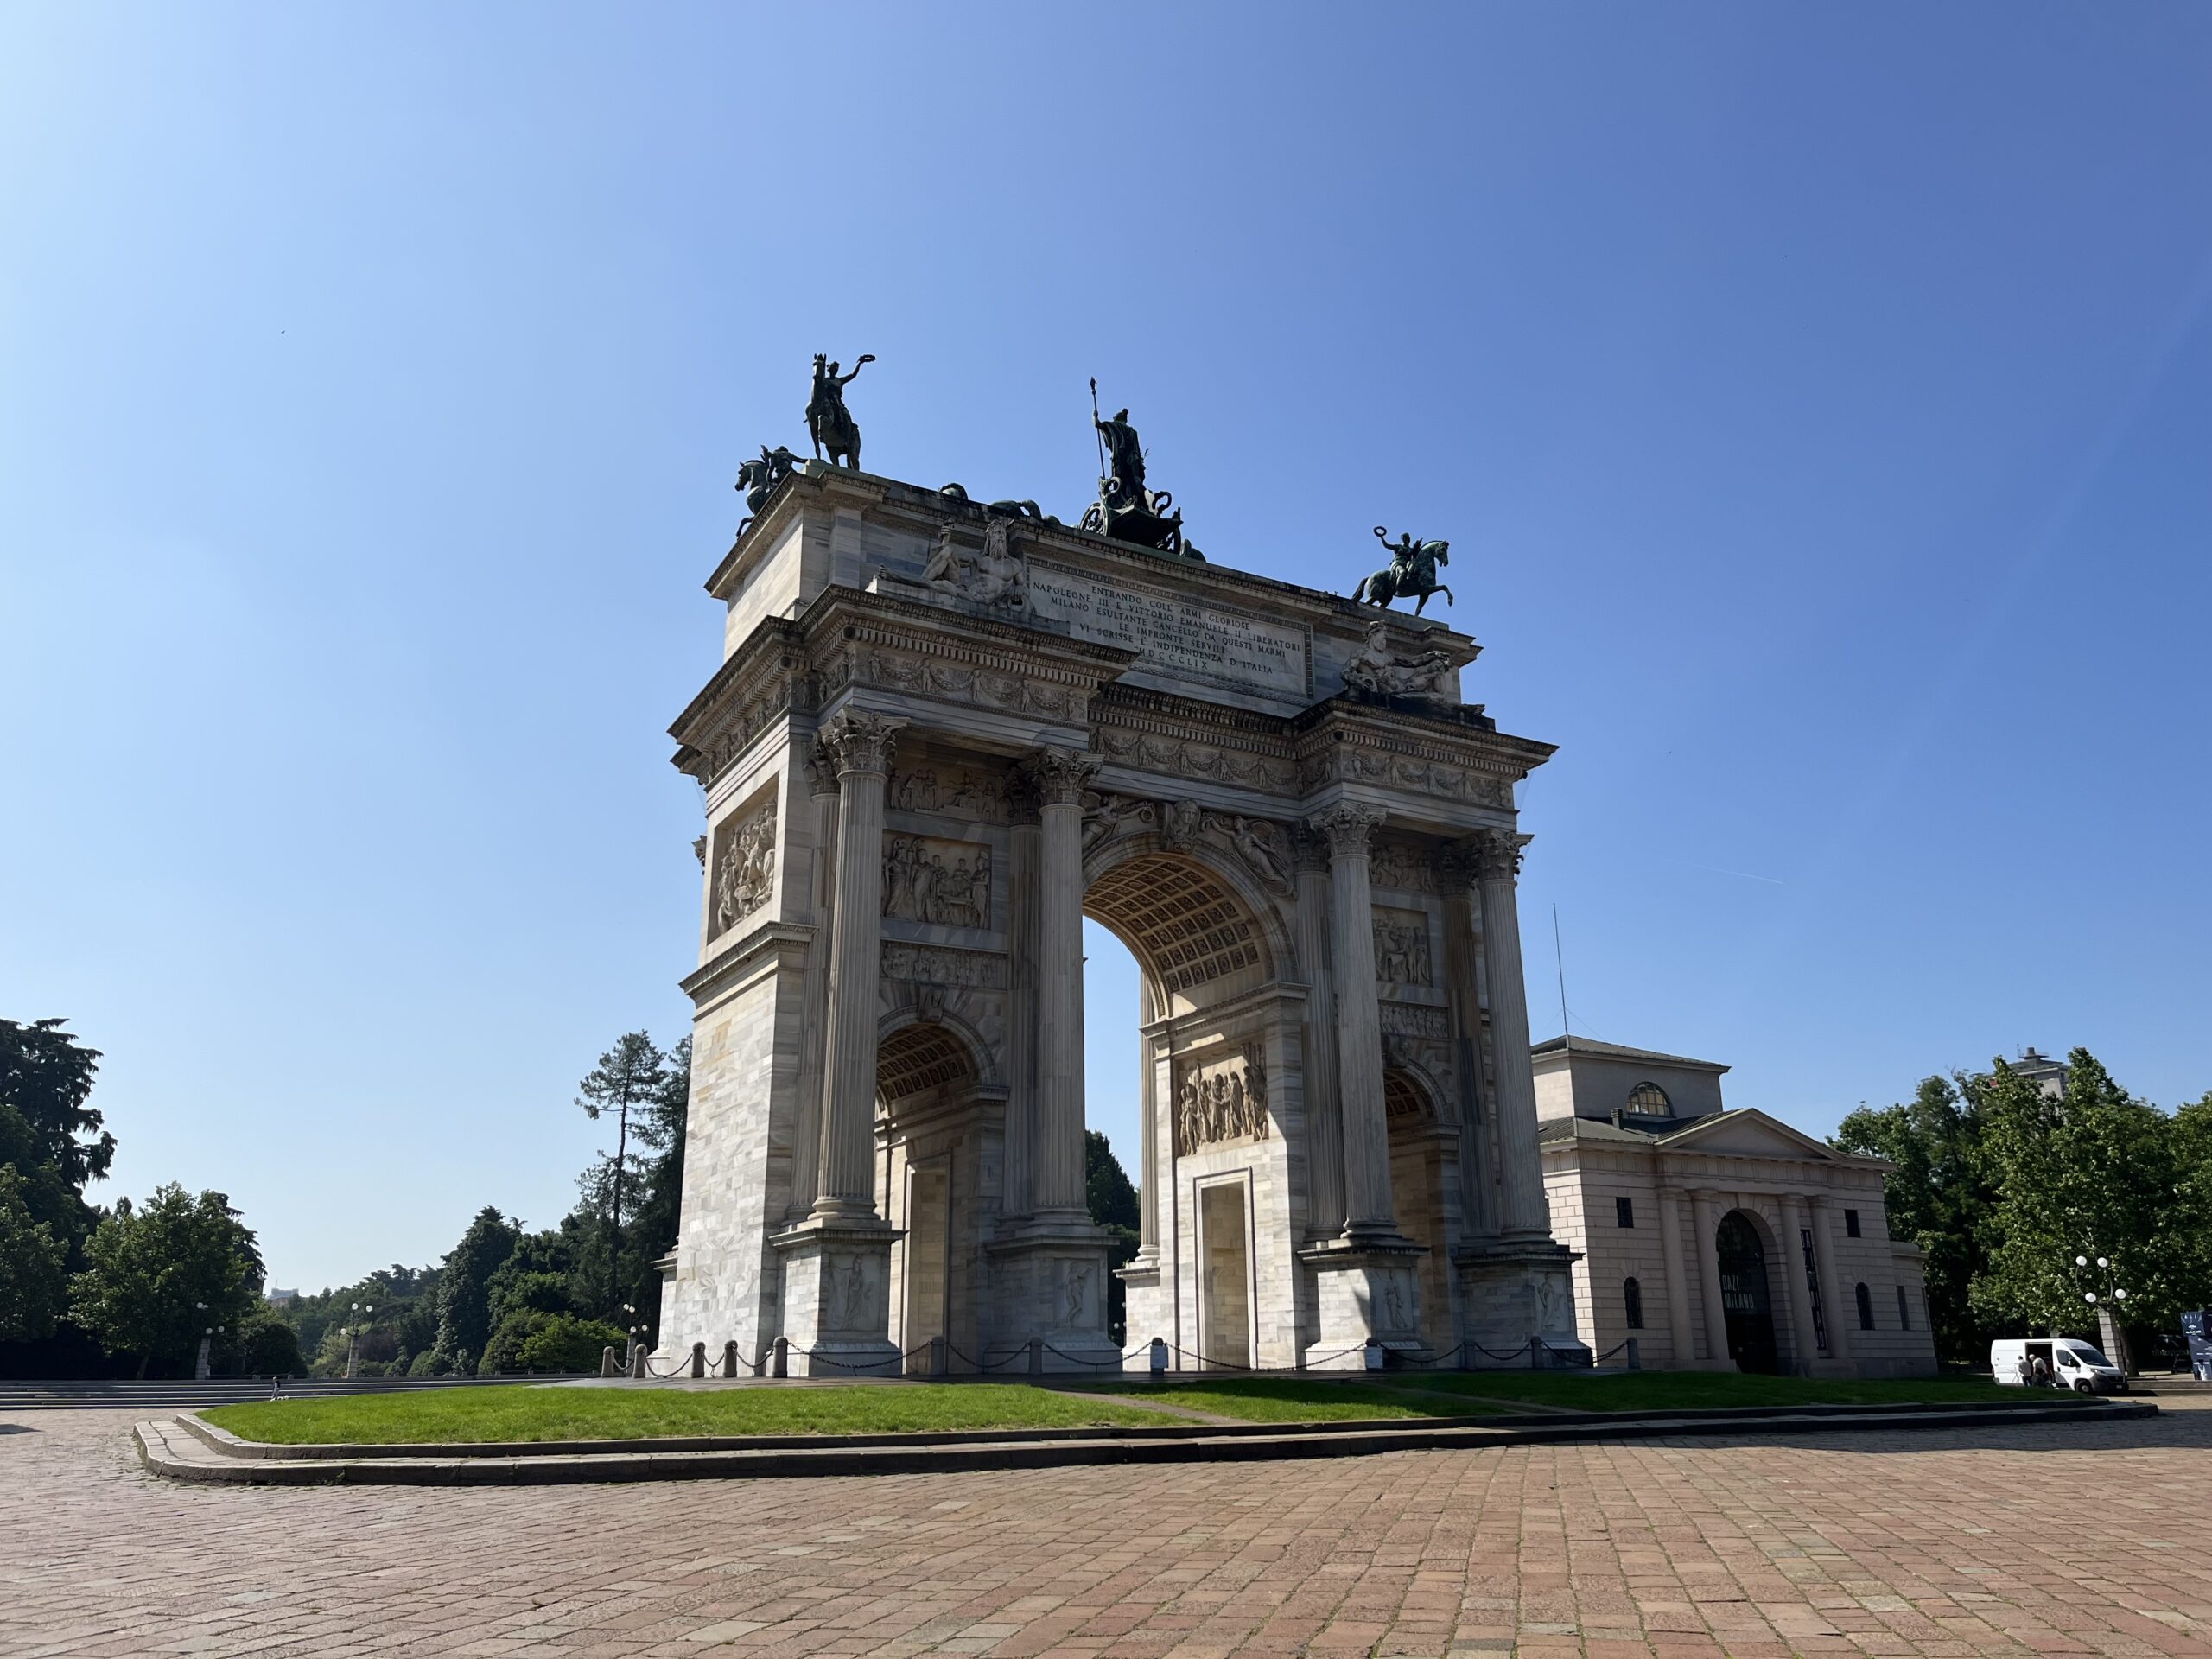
(1411, 573)
(829, 422)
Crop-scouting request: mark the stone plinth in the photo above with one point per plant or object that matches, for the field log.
(837, 1296)
(1363, 1291)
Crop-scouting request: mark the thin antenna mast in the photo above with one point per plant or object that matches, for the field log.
(1567, 1032)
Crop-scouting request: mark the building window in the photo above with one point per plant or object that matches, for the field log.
(1904, 1311)
(1649, 1100)
(1624, 1211)
(1632, 1302)
(1866, 1308)
(1851, 1223)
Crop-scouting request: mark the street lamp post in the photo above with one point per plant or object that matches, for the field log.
(353, 1334)
(201, 1370)
(2109, 1306)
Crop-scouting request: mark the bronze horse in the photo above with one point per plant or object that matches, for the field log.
(1411, 573)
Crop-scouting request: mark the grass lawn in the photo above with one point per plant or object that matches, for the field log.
(1456, 1393)
(589, 1414)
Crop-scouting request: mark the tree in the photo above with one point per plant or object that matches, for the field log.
(629, 1075)
(464, 1291)
(34, 1265)
(158, 1275)
(2090, 1172)
(46, 1077)
(1939, 1196)
(1114, 1206)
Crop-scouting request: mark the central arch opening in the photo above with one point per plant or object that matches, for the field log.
(927, 1118)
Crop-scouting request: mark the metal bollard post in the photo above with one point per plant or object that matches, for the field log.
(1635, 1355)
(1036, 1356)
(729, 1357)
(1535, 1355)
(698, 1361)
(606, 1360)
(1159, 1358)
(783, 1357)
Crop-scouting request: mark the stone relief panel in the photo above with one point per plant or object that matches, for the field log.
(933, 964)
(745, 864)
(1412, 1020)
(1220, 1101)
(995, 576)
(1402, 865)
(1261, 847)
(1182, 758)
(1401, 953)
(940, 883)
(919, 676)
(962, 792)
(1348, 763)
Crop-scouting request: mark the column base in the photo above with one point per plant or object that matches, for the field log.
(1366, 1288)
(1517, 1293)
(836, 1277)
(1048, 1281)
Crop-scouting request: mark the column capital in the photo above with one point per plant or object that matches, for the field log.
(1348, 828)
(1491, 854)
(862, 742)
(1059, 776)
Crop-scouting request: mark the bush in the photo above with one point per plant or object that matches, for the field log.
(565, 1343)
(268, 1346)
(504, 1352)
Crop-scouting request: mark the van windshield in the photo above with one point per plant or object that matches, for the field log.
(2089, 1354)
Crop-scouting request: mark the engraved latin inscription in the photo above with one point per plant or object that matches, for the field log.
(1203, 642)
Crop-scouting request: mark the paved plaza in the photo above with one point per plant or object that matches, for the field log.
(2022, 1540)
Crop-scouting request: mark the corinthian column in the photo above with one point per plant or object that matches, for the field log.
(814, 1006)
(862, 743)
(1060, 776)
(1324, 1131)
(1350, 832)
(1497, 861)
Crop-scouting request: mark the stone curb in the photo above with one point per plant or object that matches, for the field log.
(170, 1447)
(221, 1440)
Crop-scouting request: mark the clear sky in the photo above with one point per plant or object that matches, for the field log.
(1818, 401)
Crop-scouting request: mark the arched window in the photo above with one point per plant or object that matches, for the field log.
(1904, 1311)
(1866, 1308)
(1632, 1301)
(1648, 1099)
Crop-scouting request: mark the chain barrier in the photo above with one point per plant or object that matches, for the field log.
(1611, 1351)
(1516, 1354)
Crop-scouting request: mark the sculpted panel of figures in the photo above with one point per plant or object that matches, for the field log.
(1183, 758)
(1263, 848)
(996, 576)
(1401, 864)
(907, 671)
(931, 964)
(940, 883)
(1222, 1101)
(1412, 1020)
(1401, 948)
(964, 791)
(746, 874)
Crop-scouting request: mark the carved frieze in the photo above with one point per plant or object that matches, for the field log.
(1179, 757)
(940, 883)
(960, 792)
(1221, 1101)
(1401, 955)
(915, 675)
(1400, 864)
(782, 695)
(1351, 763)
(744, 866)
(934, 964)
(1412, 1020)
(1263, 848)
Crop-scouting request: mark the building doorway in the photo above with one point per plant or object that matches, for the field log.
(1743, 1295)
(925, 1260)
(1226, 1309)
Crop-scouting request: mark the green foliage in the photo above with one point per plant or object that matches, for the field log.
(2093, 1171)
(1113, 1197)
(1939, 1197)
(156, 1277)
(33, 1266)
(265, 1346)
(46, 1077)
(464, 1290)
(518, 1412)
(565, 1343)
(648, 1093)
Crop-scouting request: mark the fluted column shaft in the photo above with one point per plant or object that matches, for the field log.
(1060, 775)
(846, 1186)
(1801, 1292)
(1843, 1311)
(1350, 831)
(1514, 1094)
(1678, 1283)
(814, 1006)
(1021, 1024)
(1706, 1207)
(1324, 1128)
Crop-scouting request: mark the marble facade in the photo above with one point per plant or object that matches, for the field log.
(942, 736)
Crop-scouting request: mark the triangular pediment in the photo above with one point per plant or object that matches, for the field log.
(1748, 1132)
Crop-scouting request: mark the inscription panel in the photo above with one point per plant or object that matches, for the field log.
(1183, 636)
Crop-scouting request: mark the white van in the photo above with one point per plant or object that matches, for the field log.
(2066, 1362)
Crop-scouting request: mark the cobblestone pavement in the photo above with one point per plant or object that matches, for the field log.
(2026, 1540)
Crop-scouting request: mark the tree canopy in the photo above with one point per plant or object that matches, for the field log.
(158, 1275)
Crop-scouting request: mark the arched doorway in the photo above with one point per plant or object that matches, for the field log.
(929, 1129)
(1744, 1294)
(1420, 1138)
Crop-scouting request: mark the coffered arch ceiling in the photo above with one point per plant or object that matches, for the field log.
(1193, 933)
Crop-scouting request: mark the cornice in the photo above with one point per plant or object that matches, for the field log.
(770, 945)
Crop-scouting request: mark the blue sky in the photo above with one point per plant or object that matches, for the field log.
(1815, 399)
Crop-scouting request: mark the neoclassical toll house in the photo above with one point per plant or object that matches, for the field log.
(1719, 1240)
(941, 735)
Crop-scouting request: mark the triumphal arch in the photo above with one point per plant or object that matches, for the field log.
(943, 733)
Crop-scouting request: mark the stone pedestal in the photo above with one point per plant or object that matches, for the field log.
(1048, 1280)
(837, 1296)
(1512, 1292)
(1363, 1290)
